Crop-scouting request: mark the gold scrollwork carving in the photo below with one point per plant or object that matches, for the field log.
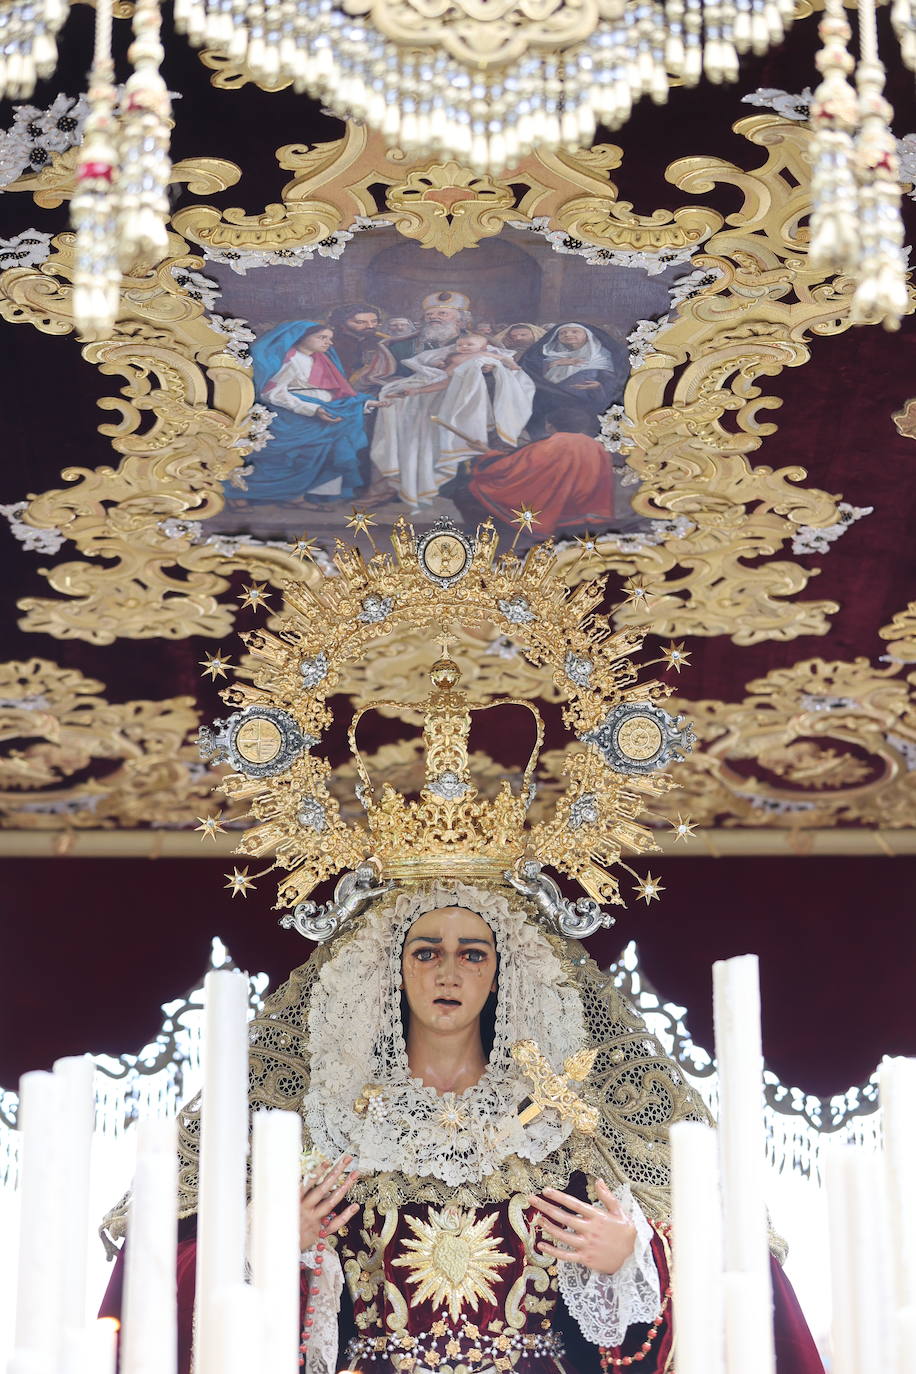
(448, 206)
(146, 767)
(905, 419)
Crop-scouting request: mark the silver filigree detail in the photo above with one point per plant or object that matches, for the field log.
(375, 609)
(354, 892)
(445, 526)
(574, 920)
(579, 670)
(314, 670)
(584, 811)
(217, 743)
(675, 735)
(448, 786)
(517, 610)
(312, 815)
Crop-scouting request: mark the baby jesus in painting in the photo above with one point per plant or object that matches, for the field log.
(467, 349)
(460, 398)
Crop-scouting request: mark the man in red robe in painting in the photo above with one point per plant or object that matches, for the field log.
(567, 477)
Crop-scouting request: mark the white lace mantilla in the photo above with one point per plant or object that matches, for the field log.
(357, 1039)
(606, 1305)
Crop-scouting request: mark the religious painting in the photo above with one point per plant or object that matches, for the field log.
(404, 382)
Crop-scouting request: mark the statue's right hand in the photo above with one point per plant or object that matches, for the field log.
(321, 1195)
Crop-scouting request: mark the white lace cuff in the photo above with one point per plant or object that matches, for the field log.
(605, 1306)
(324, 1293)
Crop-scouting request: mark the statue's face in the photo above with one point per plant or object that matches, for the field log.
(449, 968)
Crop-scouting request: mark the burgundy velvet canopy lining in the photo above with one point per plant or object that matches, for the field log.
(93, 946)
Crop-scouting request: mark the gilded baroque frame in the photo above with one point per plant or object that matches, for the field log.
(757, 317)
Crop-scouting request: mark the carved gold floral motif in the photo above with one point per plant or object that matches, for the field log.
(447, 205)
(718, 573)
(905, 419)
(147, 766)
(901, 636)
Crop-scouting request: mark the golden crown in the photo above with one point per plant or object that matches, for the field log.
(444, 575)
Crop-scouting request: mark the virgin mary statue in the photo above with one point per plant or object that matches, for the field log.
(485, 1115)
(443, 1227)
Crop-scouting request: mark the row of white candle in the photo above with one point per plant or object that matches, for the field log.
(239, 1326)
(56, 1115)
(721, 1281)
(721, 1287)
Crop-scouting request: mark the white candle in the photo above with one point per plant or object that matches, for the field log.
(858, 1248)
(276, 1144)
(897, 1085)
(91, 1349)
(29, 1362)
(76, 1076)
(239, 1329)
(104, 1345)
(696, 1237)
(149, 1343)
(223, 1147)
(748, 1311)
(742, 1151)
(842, 1292)
(905, 1340)
(38, 1299)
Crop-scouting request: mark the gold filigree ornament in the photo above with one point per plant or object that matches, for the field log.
(624, 738)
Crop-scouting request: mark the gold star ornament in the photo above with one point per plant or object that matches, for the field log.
(676, 656)
(304, 548)
(525, 518)
(360, 522)
(683, 827)
(638, 591)
(210, 825)
(214, 666)
(239, 882)
(255, 596)
(648, 889)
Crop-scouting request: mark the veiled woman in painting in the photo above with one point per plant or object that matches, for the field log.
(574, 362)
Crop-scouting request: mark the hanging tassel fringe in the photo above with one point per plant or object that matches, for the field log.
(120, 207)
(93, 210)
(28, 46)
(881, 295)
(856, 225)
(144, 146)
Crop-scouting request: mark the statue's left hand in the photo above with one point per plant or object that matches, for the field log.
(601, 1238)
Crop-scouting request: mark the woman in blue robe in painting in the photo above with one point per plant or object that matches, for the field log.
(319, 424)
